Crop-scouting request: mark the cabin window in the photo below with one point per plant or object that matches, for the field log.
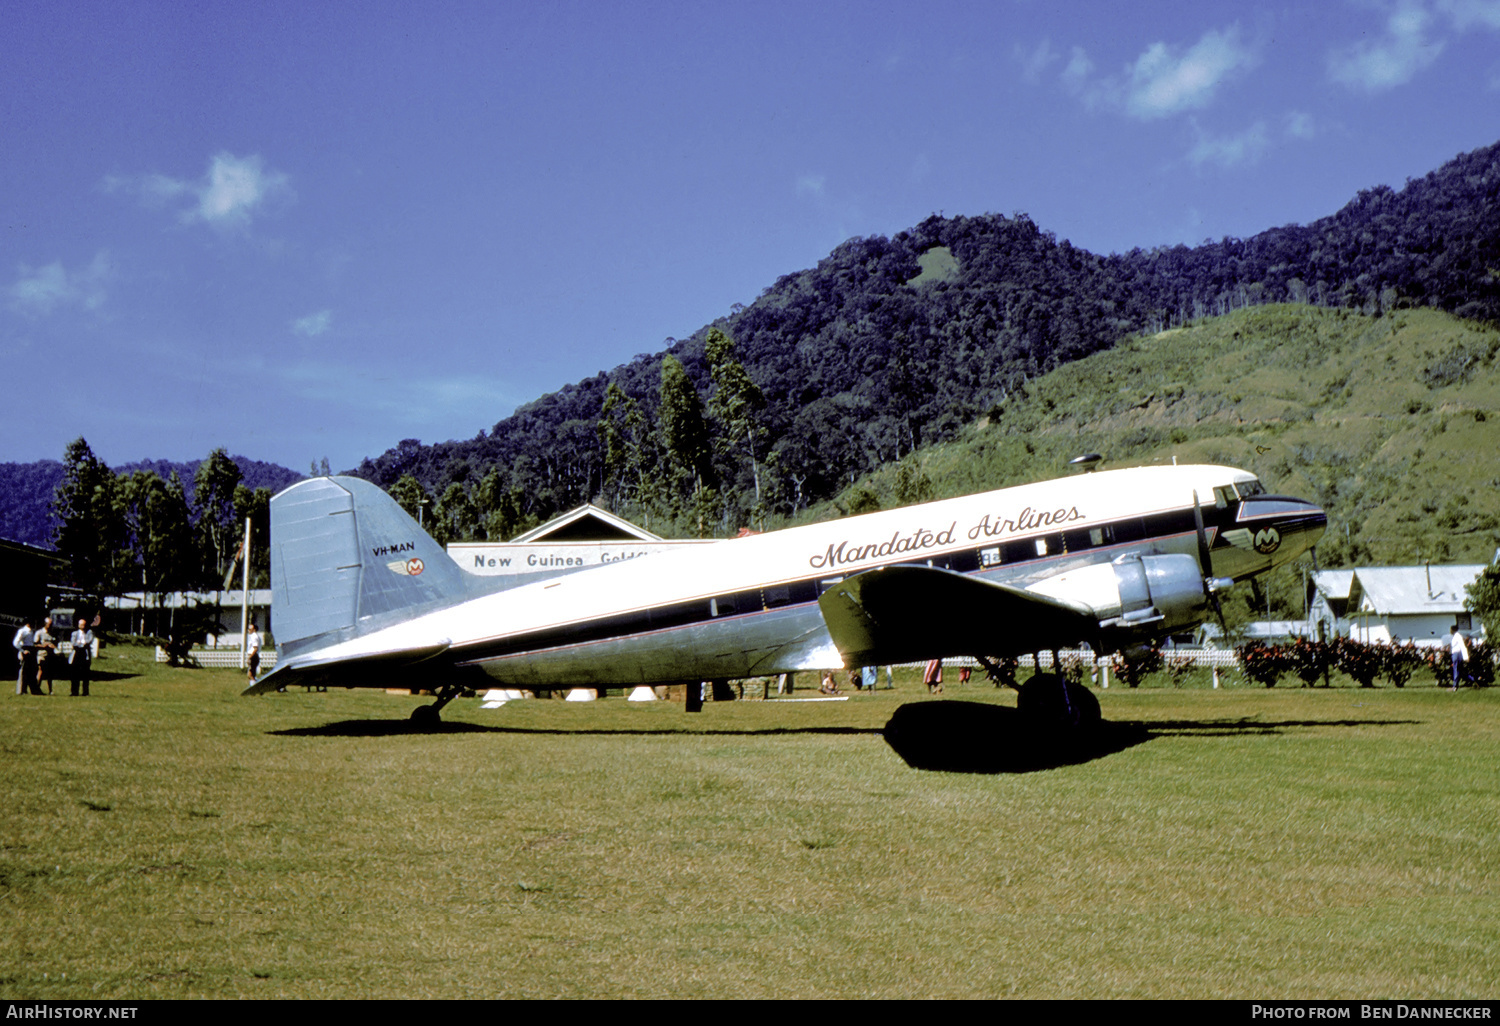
(989, 557)
(1017, 552)
(1096, 536)
(778, 596)
(723, 606)
(827, 582)
(1041, 546)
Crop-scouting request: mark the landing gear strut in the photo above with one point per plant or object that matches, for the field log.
(426, 716)
(1050, 700)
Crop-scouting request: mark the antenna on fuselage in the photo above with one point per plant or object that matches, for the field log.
(1088, 462)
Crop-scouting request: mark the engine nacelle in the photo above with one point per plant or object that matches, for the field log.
(1135, 593)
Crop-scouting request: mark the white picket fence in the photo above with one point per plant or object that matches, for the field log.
(1192, 656)
(222, 658)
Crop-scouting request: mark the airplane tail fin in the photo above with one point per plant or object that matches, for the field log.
(346, 560)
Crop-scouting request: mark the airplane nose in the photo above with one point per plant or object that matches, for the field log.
(1280, 520)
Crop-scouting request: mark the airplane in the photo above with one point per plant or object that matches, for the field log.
(363, 597)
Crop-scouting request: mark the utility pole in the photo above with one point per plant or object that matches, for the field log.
(245, 599)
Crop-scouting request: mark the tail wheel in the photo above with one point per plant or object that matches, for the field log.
(1055, 703)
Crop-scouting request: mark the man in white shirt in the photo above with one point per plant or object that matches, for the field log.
(81, 658)
(25, 646)
(1460, 655)
(252, 651)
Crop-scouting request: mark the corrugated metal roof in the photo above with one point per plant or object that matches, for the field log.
(1396, 590)
(587, 510)
(1334, 583)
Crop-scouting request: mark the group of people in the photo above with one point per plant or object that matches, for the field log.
(36, 650)
(861, 678)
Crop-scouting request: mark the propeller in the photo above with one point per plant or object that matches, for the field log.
(1211, 585)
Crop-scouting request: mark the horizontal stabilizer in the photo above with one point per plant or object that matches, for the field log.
(904, 614)
(374, 669)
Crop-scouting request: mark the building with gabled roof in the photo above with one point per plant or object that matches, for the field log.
(586, 523)
(1394, 603)
(576, 540)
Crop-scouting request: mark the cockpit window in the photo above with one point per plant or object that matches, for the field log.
(1249, 488)
(1223, 496)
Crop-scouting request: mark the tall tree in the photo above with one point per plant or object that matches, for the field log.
(255, 506)
(453, 518)
(91, 526)
(682, 424)
(213, 495)
(1484, 599)
(736, 401)
(159, 535)
(412, 497)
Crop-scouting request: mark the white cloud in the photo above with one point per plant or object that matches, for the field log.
(1231, 151)
(811, 185)
(232, 190)
(1162, 83)
(1076, 75)
(40, 290)
(313, 325)
(1393, 59)
(1468, 13)
(1299, 125)
(1035, 61)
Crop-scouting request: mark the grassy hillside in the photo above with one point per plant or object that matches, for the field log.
(1391, 422)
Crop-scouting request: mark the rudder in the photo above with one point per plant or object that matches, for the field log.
(346, 559)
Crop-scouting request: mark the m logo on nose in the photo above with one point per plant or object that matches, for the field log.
(1267, 540)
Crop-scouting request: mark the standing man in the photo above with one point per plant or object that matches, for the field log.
(252, 649)
(25, 646)
(1460, 656)
(46, 651)
(81, 657)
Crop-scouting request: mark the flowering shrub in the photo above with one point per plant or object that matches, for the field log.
(1133, 666)
(1399, 662)
(1309, 660)
(1179, 666)
(1480, 669)
(1263, 663)
(1481, 664)
(1072, 668)
(1360, 661)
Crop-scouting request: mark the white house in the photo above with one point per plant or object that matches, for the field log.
(1395, 603)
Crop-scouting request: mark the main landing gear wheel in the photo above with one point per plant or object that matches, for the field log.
(426, 717)
(1054, 703)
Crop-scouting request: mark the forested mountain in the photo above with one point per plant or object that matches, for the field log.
(27, 489)
(892, 343)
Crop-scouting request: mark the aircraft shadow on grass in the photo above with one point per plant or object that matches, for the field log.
(943, 736)
(972, 737)
(400, 728)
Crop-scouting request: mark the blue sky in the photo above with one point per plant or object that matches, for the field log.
(307, 230)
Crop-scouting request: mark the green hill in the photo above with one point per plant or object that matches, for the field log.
(1389, 421)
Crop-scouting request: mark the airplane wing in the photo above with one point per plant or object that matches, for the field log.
(903, 614)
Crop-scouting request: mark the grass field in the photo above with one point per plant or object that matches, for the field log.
(166, 838)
